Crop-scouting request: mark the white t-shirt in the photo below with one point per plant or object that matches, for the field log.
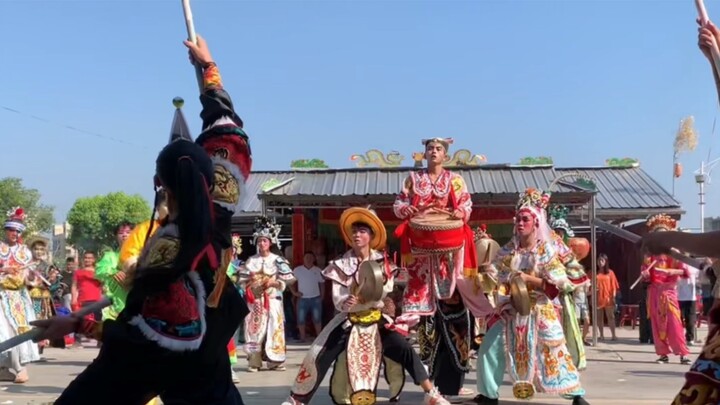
(686, 286)
(308, 281)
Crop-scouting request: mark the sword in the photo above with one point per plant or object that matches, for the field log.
(34, 334)
(634, 238)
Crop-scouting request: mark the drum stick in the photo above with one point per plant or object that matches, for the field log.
(35, 333)
(641, 277)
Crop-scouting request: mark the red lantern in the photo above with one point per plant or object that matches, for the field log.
(580, 247)
(677, 170)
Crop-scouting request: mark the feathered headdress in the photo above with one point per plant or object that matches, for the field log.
(266, 228)
(558, 219)
(661, 221)
(16, 219)
(237, 243)
(533, 200)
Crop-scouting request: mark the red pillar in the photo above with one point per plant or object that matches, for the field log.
(298, 236)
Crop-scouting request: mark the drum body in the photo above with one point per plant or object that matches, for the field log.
(434, 234)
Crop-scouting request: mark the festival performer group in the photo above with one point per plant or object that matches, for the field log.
(178, 294)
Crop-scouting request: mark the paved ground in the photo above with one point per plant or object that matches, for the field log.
(622, 372)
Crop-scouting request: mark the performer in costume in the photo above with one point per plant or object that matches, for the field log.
(702, 381)
(662, 272)
(530, 348)
(169, 340)
(435, 276)
(561, 232)
(110, 273)
(16, 310)
(359, 338)
(233, 275)
(264, 277)
(38, 282)
(37, 278)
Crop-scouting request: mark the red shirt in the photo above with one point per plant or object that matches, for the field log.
(89, 289)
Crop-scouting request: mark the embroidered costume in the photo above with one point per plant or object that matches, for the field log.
(531, 349)
(435, 276)
(38, 280)
(359, 339)
(265, 326)
(702, 382)
(662, 302)
(578, 280)
(16, 307)
(171, 338)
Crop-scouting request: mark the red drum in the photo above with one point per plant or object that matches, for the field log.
(434, 233)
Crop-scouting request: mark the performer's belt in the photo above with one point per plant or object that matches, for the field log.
(368, 317)
(12, 283)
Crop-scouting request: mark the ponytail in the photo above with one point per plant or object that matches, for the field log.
(195, 211)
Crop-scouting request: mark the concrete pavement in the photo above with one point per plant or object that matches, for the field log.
(622, 372)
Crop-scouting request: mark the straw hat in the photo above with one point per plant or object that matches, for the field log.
(357, 214)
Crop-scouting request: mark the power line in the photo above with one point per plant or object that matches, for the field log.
(72, 128)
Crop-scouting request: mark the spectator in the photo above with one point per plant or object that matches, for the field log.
(310, 291)
(687, 299)
(607, 288)
(85, 288)
(67, 279)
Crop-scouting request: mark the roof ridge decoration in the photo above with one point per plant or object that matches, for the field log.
(622, 163)
(463, 157)
(308, 164)
(375, 157)
(536, 161)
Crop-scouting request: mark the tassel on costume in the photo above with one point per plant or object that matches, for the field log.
(220, 279)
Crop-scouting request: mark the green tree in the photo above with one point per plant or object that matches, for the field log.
(14, 194)
(94, 219)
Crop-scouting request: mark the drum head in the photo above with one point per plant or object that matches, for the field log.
(519, 296)
(370, 281)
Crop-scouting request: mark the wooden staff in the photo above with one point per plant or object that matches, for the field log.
(192, 37)
(35, 333)
(715, 52)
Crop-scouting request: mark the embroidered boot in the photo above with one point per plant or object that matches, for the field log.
(435, 398)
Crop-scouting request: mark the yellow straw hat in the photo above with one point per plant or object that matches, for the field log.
(357, 214)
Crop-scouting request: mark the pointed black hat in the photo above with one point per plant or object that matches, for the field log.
(179, 128)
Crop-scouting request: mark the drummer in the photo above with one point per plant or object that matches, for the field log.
(360, 315)
(530, 260)
(436, 281)
(431, 277)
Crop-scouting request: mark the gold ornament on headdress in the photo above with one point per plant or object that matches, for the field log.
(445, 142)
(661, 221)
(534, 199)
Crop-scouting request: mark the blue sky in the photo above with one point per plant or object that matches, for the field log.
(581, 81)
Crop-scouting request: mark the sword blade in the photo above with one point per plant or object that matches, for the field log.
(34, 334)
(635, 238)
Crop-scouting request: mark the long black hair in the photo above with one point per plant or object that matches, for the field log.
(605, 269)
(184, 170)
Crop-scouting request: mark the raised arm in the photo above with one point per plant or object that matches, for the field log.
(403, 203)
(224, 140)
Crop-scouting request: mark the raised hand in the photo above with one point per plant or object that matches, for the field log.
(199, 53)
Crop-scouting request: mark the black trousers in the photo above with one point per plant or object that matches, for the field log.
(131, 370)
(446, 375)
(688, 311)
(395, 347)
